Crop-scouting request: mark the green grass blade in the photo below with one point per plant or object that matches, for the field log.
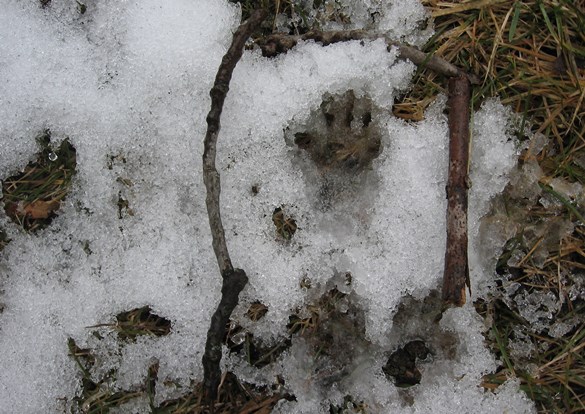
(564, 201)
(514, 23)
(547, 21)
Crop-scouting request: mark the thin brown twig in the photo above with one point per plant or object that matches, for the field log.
(456, 275)
(233, 280)
(281, 43)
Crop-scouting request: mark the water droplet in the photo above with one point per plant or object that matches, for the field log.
(53, 156)
(238, 338)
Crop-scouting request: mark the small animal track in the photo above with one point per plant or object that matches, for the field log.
(343, 135)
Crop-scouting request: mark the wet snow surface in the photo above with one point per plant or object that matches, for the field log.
(127, 83)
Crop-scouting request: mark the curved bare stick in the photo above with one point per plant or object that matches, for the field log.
(233, 280)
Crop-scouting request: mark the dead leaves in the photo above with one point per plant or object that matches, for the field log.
(36, 210)
(285, 226)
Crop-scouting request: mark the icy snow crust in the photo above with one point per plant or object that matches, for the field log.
(131, 79)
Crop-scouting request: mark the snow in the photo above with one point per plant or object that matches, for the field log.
(130, 80)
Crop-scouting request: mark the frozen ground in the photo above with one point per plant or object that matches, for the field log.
(130, 80)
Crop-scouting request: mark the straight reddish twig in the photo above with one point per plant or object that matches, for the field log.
(456, 275)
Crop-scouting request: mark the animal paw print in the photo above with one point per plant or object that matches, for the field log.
(343, 137)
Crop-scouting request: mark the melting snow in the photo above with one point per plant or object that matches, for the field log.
(130, 80)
